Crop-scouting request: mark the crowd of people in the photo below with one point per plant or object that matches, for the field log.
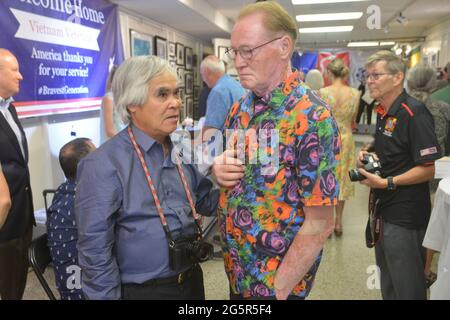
(128, 214)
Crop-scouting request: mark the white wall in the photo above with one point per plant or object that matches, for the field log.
(438, 40)
(46, 135)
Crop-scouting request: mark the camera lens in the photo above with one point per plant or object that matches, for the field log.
(355, 175)
(202, 251)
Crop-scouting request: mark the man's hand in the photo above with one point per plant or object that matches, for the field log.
(227, 170)
(361, 154)
(373, 181)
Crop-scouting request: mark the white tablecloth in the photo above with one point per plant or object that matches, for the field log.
(437, 238)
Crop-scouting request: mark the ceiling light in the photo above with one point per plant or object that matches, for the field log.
(326, 29)
(302, 2)
(329, 16)
(363, 44)
(387, 43)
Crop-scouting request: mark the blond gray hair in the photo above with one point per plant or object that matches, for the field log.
(131, 80)
(394, 64)
(421, 82)
(275, 18)
(213, 64)
(314, 79)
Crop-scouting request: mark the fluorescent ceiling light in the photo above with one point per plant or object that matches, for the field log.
(301, 2)
(370, 44)
(326, 29)
(329, 16)
(363, 44)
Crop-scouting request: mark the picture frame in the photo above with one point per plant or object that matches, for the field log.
(196, 93)
(140, 43)
(181, 77)
(173, 64)
(190, 107)
(188, 58)
(189, 83)
(179, 48)
(172, 51)
(161, 47)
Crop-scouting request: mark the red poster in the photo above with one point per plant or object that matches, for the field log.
(326, 57)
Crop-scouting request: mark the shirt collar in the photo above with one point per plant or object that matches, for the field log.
(147, 143)
(397, 103)
(4, 103)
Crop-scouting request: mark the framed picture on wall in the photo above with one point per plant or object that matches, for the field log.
(189, 83)
(172, 51)
(196, 92)
(161, 47)
(179, 48)
(190, 107)
(188, 57)
(173, 64)
(140, 43)
(180, 76)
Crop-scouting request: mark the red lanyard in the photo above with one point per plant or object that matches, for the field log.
(152, 187)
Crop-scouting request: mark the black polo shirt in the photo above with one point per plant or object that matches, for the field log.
(405, 138)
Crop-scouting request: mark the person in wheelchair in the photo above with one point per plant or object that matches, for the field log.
(61, 225)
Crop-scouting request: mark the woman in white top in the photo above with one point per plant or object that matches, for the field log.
(110, 122)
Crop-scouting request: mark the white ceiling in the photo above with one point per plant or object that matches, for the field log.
(207, 19)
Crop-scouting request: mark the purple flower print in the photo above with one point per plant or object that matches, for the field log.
(310, 152)
(242, 218)
(328, 183)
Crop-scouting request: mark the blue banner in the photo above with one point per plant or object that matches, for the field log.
(305, 61)
(65, 50)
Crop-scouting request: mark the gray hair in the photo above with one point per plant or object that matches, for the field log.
(130, 84)
(421, 82)
(314, 79)
(212, 64)
(394, 64)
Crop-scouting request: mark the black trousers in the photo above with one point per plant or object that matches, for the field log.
(14, 266)
(191, 288)
(401, 258)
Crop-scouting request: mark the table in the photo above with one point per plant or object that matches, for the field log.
(437, 238)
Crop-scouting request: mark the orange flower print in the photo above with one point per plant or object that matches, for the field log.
(281, 210)
(272, 264)
(301, 123)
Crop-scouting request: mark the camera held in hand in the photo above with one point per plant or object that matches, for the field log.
(185, 252)
(370, 165)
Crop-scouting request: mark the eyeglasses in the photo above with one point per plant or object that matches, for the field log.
(375, 76)
(246, 52)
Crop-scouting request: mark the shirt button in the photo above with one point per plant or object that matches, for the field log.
(26, 188)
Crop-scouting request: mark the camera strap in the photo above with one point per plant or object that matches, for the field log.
(153, 189)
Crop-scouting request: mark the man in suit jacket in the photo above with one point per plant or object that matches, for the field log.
(16, 233)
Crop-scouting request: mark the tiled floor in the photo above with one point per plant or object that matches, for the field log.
(346, 271)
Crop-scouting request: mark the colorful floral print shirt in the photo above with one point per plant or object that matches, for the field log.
(261, 215)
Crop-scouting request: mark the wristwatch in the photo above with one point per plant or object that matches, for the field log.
(391, 184)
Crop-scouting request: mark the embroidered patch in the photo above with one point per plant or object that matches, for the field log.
(390, 126)
(427, 152)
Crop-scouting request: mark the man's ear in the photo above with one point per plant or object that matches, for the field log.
(399, 78)
(286, 47)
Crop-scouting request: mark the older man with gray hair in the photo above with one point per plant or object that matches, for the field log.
(224, 92)
(136, 205)
(406, 145)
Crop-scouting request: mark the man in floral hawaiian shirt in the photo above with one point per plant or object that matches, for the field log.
(275, 216)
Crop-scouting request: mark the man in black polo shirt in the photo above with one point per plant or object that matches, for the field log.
(406, 146)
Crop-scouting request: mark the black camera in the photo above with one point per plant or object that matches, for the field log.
(370, 165)
(187, 251)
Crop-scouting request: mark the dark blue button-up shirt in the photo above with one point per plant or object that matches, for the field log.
(121, 239)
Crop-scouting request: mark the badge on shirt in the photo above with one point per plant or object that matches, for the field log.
(389, 128)
(427, 152)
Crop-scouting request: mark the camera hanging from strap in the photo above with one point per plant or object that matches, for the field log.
(155, 196)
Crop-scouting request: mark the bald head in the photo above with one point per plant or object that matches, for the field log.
(212, 69)
(9, 74)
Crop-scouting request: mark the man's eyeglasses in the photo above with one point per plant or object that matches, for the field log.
(246, 52)
(375, 76)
